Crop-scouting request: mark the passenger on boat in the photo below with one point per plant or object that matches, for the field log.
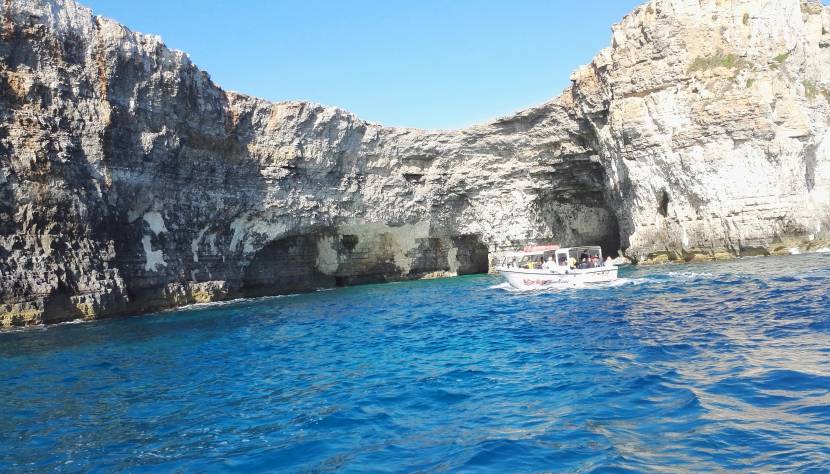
(572, 263)
(609, 262)
(550, 264)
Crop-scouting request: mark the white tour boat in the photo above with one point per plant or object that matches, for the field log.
(549, 265)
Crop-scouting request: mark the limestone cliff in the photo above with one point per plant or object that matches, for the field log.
(130, 182)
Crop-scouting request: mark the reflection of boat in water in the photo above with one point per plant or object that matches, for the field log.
(549, 265)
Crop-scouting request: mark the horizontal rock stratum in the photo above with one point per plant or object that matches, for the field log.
(130, 182)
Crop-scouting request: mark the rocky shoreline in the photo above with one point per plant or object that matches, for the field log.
(130, 182)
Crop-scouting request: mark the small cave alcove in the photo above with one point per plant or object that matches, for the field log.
(430, 256)
(472, 254)
(283, 266)
(58, 306)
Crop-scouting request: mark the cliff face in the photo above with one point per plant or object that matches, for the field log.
(713, 127)
(130, 182)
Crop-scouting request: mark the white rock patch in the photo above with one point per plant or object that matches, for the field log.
(155, 258)
(155, 221)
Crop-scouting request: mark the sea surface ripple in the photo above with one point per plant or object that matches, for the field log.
(700, 367)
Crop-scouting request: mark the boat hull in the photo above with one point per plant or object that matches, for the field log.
(533, 279)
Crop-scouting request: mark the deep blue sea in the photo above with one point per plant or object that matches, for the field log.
(699, 367)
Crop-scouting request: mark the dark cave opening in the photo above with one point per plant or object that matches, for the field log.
(472, 254)
(573, 202)
(663, 204)
(285, 265)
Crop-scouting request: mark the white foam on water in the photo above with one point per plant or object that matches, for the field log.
(795, 251)
(213, 304)
(539, 289)
(617, 283)
(45, 327)
(823, 250)
(74, 321)
(628, 281)
(690, 275)
(571, 286)
(210, 304)
(33, 327)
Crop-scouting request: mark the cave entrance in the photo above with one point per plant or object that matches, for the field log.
(574, 205)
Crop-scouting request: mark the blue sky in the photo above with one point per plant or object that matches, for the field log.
(425, 63)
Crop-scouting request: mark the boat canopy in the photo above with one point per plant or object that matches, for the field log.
(541, 248)
(513, 254)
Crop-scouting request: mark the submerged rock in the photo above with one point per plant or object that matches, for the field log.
(130, 182)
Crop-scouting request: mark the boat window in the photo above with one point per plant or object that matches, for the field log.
(586, 257)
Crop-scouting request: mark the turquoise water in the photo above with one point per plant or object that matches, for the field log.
(721, 366)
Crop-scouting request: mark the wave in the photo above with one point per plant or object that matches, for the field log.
(572, 286)
(541, 289)
(215, 304)
(689, 276)
(16, 329)
(75, 321)
(44, 327)
(629, 281)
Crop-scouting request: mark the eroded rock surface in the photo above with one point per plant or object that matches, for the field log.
(130, 182)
